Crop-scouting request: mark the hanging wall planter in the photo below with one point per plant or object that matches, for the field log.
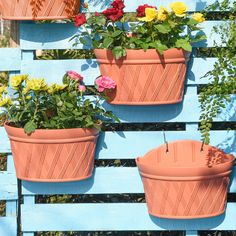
(145, 77)
(53, 128)
(185, 182)
(38, 9)
(53, 155)
(148, 59)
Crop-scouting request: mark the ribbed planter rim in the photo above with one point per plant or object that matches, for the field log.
(172, 54)
(177, 173)
(48, 135)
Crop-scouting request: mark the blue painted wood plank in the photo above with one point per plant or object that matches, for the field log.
(113, 216)
(57, 36)
(10, 164)
(53, 70)
(8, 226)
(106, 180)
(191, 233)
(10, 59)
(131, 6)
(131, 144)
(11, 208)
(163, 113)
(8, 186)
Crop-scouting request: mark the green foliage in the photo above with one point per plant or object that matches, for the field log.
(166, 30)
(4, 78)
(37, 105)
(215, 96)
(57, 54)
(5, 39)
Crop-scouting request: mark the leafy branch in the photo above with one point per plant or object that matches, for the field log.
(216, 95)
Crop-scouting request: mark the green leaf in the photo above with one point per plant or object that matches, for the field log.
(83, 41)
(116, 33)
(100, 20)
(30, 127)
(198, 38)
(191, 21)
(172, 23)
(118, 52)
(107, 42)
(163, 28)
(183, 43)
(159, 46)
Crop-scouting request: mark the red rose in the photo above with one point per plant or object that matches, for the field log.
(80, 19)
(141, 10)
(97, 14)
(113, 14)
(118, 4)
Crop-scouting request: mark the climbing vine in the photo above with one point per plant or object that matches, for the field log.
(217, 94)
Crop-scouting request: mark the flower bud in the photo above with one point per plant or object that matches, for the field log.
(85, 5)
(81, 88)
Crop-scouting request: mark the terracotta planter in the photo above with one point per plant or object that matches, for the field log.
(53, 155)
(47, 10)
(186, 183)
(145, 78)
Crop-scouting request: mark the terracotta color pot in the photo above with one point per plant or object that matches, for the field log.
(186, 183)
(53, 155)
(145, 78)
(47, 10)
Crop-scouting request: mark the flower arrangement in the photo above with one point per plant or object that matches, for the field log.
(157, 28)
(38, 105)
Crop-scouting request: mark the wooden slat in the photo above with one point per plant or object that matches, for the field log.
(10, 59)
(113, 216)
(97, 5)
(57, 36)
(144, 114)
(8, 186)
(106, 180)
(53, 70)
(7, 226)
(8, 182)
(131, 144)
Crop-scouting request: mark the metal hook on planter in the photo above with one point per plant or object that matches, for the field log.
(203, 143)
(165, 141)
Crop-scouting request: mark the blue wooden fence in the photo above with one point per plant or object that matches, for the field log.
(9, 193)
(112, 145)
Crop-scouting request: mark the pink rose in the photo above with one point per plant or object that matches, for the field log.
(74, 75)
(104, 82)
(81, 88)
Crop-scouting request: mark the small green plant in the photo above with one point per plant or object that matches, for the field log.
(57, 54)
(159, 29)
(37, 105)
(215, 96)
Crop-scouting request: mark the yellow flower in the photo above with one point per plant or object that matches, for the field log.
(162, 14)
(3, 89)
(5, 101)
(17, 80)
(179, 8)
(150, 15)
(198, 17)
(35, 85)
(56, 88)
